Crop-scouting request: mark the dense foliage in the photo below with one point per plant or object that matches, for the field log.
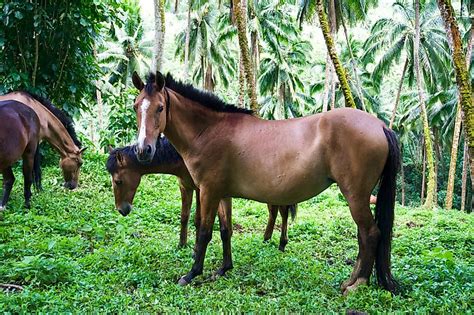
(73, 253)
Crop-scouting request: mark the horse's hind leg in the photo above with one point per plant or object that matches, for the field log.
(8, 180)
(28, 160)
(284, 227)
(225, 222)
(368, 236)
(272, 214)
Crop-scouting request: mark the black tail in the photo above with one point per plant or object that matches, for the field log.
(292, 209)
(384, 212)
(37, 170)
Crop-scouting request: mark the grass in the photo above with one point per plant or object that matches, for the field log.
(73, 252)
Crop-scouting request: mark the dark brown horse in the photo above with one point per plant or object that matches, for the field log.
(226, 150)
(57, 129)
(126, 172)
(19, 137)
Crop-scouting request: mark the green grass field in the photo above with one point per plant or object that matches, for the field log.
(73, 252)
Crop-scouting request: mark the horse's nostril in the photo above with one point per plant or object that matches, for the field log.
(135, 149)
(148, 149)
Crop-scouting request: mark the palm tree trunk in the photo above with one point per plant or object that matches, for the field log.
(457, 123)
(423, 174)
(394, 112)
(159, 34)
(463, 79)
(176, 5)
(241, 100)
(358, 85)
(464, 177)
(339, 69)
(186, 44)
(209, 81)
(327, 82)
(333, 91)
(402, 176)
(430, 191)
(244, 53)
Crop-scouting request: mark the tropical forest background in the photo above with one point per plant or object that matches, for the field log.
(81, 55)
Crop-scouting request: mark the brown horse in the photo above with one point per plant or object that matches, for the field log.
(226, 150)
(57, 129)
(19, 137)
(126, 172)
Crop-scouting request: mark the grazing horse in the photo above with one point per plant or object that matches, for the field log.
(57, 129)
(126, 172)
(19, 138)
(229, 152)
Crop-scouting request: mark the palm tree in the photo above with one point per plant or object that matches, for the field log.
(281, 69)
(208, 50)
(125, 49)
(394, 37)
(431, 186)
(159, 34)
(461, 66)
(240, 18)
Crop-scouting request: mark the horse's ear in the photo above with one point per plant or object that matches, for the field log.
(159, 80)
(82, 150)
(110, 149)
(137, 81)
(119, 158)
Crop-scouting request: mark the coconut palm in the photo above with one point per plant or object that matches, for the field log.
(280, 81)
(125, 49)
(208, 53)
(393, 38)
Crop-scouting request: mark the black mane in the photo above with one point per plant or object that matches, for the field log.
(62, 116)
(204, 98)
(165, 153)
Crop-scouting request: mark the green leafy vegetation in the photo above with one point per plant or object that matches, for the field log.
(72, 252)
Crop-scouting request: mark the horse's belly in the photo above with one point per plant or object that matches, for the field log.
(283, 188)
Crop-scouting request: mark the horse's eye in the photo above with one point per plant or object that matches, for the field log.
(160, 109)
(118, 182)
(135, 109)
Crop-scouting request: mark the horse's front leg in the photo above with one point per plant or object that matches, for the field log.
(186, 202)
(284, 227)
(225, 221)
(209, 205)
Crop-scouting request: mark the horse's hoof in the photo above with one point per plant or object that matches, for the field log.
(182, 282)
(353, 287)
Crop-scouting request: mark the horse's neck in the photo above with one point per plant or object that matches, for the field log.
(54, 131)
(51, 128)
(186, 121)
(174, 168)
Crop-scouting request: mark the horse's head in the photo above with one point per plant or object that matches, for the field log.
(125, 180)
(70, 165)
(151, 108)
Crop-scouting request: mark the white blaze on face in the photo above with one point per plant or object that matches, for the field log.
(142, 133)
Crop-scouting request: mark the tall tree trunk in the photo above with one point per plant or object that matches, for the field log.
(400, 85)
(463, 79)
(333, 91)
(159, 34)
(241, 100)
(457, 122)
(430, 189)
(209, 81)
(423, 173)
(244, 53)
(464, 177)
(358, 84)
(341, 73)
(186, 44)
(327, 83)
(176, 4)
(402, 175)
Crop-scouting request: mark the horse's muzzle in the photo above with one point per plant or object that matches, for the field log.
(124, 209)
(145, 155)
(70, 185)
